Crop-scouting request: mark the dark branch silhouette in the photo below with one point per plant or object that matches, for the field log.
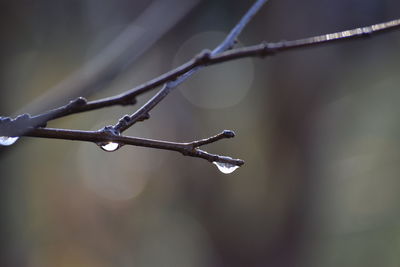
(34, 126)
(203, 59)
(106, 136)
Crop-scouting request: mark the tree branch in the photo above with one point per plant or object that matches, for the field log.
(33, 126)
(107, 135)
(205, 58)
(268, 49)
(199, 62)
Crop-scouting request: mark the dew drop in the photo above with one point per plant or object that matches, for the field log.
(8, 141)
(225, 167)
(110, 146)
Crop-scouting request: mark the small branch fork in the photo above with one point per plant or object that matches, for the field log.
(106, 135)
(34, 126)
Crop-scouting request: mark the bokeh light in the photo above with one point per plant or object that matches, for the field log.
(215, 87)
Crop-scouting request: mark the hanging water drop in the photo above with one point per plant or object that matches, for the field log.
(7, 140)
(225, 167)
(110, 146)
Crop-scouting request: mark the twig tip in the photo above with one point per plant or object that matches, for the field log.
(228, 133)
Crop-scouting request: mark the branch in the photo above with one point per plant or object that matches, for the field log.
(199, 62)
(80, 104)
(107, 136)
(219, 55)
(268, 49)
(33, 125)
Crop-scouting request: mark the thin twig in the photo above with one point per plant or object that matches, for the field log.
(143, 112)
(268, 49)
(104, 136)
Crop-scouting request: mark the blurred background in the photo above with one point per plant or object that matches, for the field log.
(318, 129)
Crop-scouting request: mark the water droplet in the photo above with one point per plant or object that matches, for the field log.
(8, 141)
(225, 167)
(110, 146)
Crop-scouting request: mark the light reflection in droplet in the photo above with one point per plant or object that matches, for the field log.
(8, 141)
(226, 168)
(110, 146)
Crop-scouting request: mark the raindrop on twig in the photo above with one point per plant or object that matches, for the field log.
(110, 146)
(7, 140)
(225, 167)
